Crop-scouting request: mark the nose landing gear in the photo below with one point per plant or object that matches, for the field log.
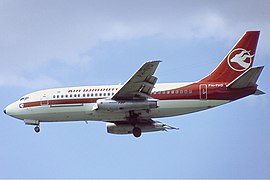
(37, 129)
(33, 122)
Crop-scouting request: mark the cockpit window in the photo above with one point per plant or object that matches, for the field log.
(24, 98)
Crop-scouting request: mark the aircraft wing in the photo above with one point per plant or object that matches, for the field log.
(140, 85)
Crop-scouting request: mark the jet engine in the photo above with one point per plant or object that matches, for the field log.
(126, 128)
(123, 105)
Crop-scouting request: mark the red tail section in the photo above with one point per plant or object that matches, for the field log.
(237, 61)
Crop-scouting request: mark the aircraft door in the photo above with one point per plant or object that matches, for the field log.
(44, 100)
(203, 91)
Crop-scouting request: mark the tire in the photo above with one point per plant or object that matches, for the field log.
(37, 129)
(137, 132)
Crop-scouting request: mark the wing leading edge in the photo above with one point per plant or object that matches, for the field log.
(140, 85)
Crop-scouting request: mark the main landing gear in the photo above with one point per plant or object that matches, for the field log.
(133, 118)
(137, 132)
(37, 129)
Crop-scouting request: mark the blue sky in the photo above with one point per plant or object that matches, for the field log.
(47, 44)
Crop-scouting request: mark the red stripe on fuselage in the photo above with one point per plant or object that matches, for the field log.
(60, 101)
(215, 91)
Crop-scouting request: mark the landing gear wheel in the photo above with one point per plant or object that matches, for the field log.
(137, 132)
(37, 129)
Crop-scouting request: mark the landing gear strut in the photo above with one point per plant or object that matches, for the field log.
(133, 119)
(137, 132)
(37, 129)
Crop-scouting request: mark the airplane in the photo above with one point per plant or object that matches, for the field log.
(131, 108)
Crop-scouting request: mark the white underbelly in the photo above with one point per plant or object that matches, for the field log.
(180, 107)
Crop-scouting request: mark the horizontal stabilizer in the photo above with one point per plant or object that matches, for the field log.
(259, 92)
(248, 79)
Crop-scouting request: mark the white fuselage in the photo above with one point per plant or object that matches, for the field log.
(77, 103)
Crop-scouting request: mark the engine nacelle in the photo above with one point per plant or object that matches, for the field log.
(123, 105)
(128, 128)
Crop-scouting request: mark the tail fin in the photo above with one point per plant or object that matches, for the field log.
(237, 61)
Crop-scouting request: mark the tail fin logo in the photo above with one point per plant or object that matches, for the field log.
(240, 59)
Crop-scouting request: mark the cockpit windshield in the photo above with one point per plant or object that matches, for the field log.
(24, 98)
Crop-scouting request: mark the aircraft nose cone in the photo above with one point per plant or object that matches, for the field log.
(13, 110)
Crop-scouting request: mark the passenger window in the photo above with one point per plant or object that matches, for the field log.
(104, 94)
(83, 95)
(57, 96)
(78, 95)
(66, 96)
(185, 91)
(172, 92)
(70, 95)
(168, 92)
(109, 94)
(96, 94)
(100, 94)
(190, 91)
(62, 96)
(88, 95)
(75, 95)
(112, 94)
(159, 92)
(181, 91)
(92, 95)
(163, 92)
(53, 96)
(176, 91)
